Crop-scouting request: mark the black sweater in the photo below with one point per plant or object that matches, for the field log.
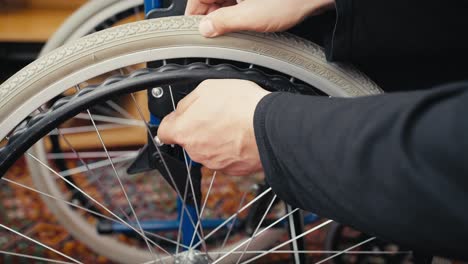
(392, 165)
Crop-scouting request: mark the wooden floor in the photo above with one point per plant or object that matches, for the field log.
(33, 20)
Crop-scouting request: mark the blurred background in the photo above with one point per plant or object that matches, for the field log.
(25, 26)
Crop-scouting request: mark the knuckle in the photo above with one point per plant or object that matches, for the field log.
(205, 83)
(204, 86)
(211, 165)
(199, 157)
(180, 104)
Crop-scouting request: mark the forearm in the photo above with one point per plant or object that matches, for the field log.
(383, 164)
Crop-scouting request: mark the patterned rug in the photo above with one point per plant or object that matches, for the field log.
(24, 211)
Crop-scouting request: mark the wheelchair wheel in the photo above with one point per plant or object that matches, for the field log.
(93, 16)
(275, 61)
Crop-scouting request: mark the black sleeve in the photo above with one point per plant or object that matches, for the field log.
(392, 165)
(413, 30)
(401, 44)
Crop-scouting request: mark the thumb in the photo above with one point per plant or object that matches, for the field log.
(227, 19)
(166, 130)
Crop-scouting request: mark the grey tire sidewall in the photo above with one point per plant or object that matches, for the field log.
(39, 81)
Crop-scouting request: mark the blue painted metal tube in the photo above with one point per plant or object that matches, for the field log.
(152, 4)
(310, 218)
(173, 225)
(188, 229)
(154, 120)
(155, 226)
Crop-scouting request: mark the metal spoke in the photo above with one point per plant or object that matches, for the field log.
(90, 155)
(93, 175)
(96, 165)
(277, 221)
(83, 208)
(84, 129)
(194, 196)
(305, 252)
(203, 208)
(290, 240)
(189, 175)
(258, 227)
(263, 230)
(179, 233)
(312, 252)
(344, 251)
(40, 244)
(86, 209)
(166, 239)
(172, 98)
(179, 230)
(292, 230)
(87, 168)
(91, 198)
(234, 221)
(110, 119)
(233, 216)
(246, 241)
(166, 168)
(184, 209)
(119, 109)
(33, 257)
(58, 199)
(122, 186)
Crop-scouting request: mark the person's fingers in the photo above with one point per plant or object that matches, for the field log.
(213, 8)
(172, 124)
(228, 19)
(191, 5)
(195, 7)
(203, 7)
(167, 130)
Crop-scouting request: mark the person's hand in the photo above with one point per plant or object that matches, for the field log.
(225, 16)
(214, 124)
